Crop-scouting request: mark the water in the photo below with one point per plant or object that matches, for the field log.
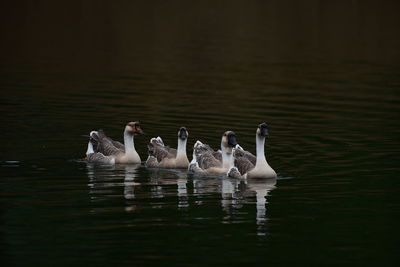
(324, 76)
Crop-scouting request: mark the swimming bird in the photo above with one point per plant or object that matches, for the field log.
(206, 160)
(162, 156)
(249, 166)
(103, 149)
(97, 157)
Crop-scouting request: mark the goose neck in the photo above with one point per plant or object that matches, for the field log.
(181, 150)
(227, 158)
(89, 149)
(260, 143)
(128, 142)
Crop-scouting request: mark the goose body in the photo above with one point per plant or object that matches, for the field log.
(162, 156)
(249, 166)
(97, 157)
(206, 160)
(103, 149)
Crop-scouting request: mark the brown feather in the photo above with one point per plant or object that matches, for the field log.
(243, 164)
(205, 156)
(106, 145)
(99, 158)
(207, 160)
(243, 153)
(157, 149)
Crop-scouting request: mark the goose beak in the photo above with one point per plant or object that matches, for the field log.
(264, 129)
(139, 131)
(232, 139)
(183, 133)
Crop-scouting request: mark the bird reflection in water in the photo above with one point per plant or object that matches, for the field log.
(231, 195)
(163, 178)
(261, 187)
(129, 181)
(204, 186)
(235, 193)
(183, 200)
(104, 180)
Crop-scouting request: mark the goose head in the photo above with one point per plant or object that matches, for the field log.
(262, 130)
(228, 141)
(183, 134)
(133, 128)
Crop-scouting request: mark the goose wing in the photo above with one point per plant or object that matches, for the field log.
(204, 156)
(240, 152)
(118, 145)
(207, 160)
(199, 149)
(158, 150)
(105, 145)
(243, 164)
(218, 155)
(100, 158)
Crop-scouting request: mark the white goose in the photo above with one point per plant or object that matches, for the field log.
(206, 160)
(161, 156)
(103, 149)
(249, 166)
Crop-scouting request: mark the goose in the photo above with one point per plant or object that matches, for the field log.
(161, 156)
(206, 160)
(97, 157)
(249, 166)
(103, 149)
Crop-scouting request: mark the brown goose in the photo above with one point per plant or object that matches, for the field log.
(106, 150)
(161, 156)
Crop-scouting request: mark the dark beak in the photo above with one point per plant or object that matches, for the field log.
(182, 133)
(264, 129)
(232, 139)
(139, 131)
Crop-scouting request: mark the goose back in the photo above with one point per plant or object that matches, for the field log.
(243, 164)
(205, 158)
(158, 150)
(105, 145)
(239, 152)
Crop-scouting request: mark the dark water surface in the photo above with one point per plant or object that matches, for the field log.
(325, 76)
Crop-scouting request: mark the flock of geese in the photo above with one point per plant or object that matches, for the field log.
(231, 160)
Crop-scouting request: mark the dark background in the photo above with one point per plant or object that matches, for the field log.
(82, 34)
(325, 76)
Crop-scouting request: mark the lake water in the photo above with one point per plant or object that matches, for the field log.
(324, 76)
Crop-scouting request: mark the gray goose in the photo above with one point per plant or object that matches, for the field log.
(162, 156)
(206, 160)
